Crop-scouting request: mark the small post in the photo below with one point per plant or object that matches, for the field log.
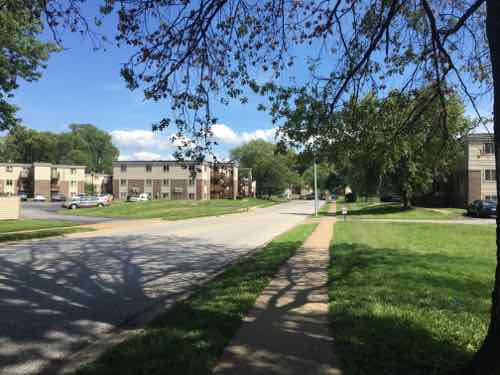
(315, 188)
(344, 212)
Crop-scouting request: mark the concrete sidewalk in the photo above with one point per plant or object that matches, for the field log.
(287, 331)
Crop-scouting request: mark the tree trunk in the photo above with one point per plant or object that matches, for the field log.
(487, 359)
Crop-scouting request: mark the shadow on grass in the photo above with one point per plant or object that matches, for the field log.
(379, 209)
(191, 336)
(394, 312)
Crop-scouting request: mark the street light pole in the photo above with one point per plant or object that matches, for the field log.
(315, 188)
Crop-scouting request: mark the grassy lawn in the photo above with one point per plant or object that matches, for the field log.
(171, 209)
(189, 338)
(409, 298)
(42, 234)
(374, 209)
(31, 224)
(12, 230)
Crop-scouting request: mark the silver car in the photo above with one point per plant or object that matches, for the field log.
(83, 201)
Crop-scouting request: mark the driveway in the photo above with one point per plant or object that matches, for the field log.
(48, 210)
(57, 294)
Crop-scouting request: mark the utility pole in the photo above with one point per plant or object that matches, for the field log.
(315, 188)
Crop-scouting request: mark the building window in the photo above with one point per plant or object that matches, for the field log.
(73, 183)
(73, 170)
(149, 167)
(148, 182)
(490, 197)
(489, 148)
(166, 168)
(191, 181)
(123, 195)
(191, 195)
(165, 195)
(166, 182)
(490, 175)
(123, 182)
(9, 168)
(123, 167)
(8, 182)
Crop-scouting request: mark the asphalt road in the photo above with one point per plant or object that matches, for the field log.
(48, 210)
(57, 294)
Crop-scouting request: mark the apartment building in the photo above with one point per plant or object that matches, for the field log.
(102, 183)
(477, 173)
(163, 179)
(41, 179)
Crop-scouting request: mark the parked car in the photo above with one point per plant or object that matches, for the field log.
(23, 197)
(39, 198)
(482, 208)
(82, 201)
(58, 197)
(390, 197)
(138, 198)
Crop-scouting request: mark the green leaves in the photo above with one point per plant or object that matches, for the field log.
(21, 54)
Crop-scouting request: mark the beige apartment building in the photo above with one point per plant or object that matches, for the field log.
(41, 179)
(102, 183)
(477, 175)
(174, 180)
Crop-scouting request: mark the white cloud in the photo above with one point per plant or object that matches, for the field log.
(143, 144)
(139, 144)
(223, 134)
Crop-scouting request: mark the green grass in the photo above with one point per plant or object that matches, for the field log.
(42, 234)
(189, 338)
(171, 209)
(374, 209)
(31, 224)
(409, 299)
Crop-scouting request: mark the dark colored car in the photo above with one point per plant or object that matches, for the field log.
(391, 197)
(482, 208)
(23, 197)
(58, 197)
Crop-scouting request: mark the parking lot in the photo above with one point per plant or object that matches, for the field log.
(49, 210)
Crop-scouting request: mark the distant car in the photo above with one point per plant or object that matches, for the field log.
(390, 197)
(103, 199)
(482, 208)
(82, 201)
(39, 198)
(58, 197)
(138, 198)
(23, 197)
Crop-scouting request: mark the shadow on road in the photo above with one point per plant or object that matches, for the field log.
(68, 292)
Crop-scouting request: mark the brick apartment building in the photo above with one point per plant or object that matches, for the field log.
(477, 172)
(41, 178)
(174, 180)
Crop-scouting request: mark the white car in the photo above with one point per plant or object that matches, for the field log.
(39, 198)
(139, 198)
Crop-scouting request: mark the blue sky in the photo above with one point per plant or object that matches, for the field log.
(80, 85)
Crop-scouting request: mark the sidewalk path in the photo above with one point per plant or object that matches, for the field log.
(287, 330)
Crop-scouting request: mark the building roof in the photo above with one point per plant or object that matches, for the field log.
(43, 164)
(171, 162)
(480, 137)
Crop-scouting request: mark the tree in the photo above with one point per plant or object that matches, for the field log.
(84, 144)
(22, 54)
(187, 52)
(273, 171)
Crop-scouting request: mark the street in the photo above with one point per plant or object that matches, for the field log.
(57, 294)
